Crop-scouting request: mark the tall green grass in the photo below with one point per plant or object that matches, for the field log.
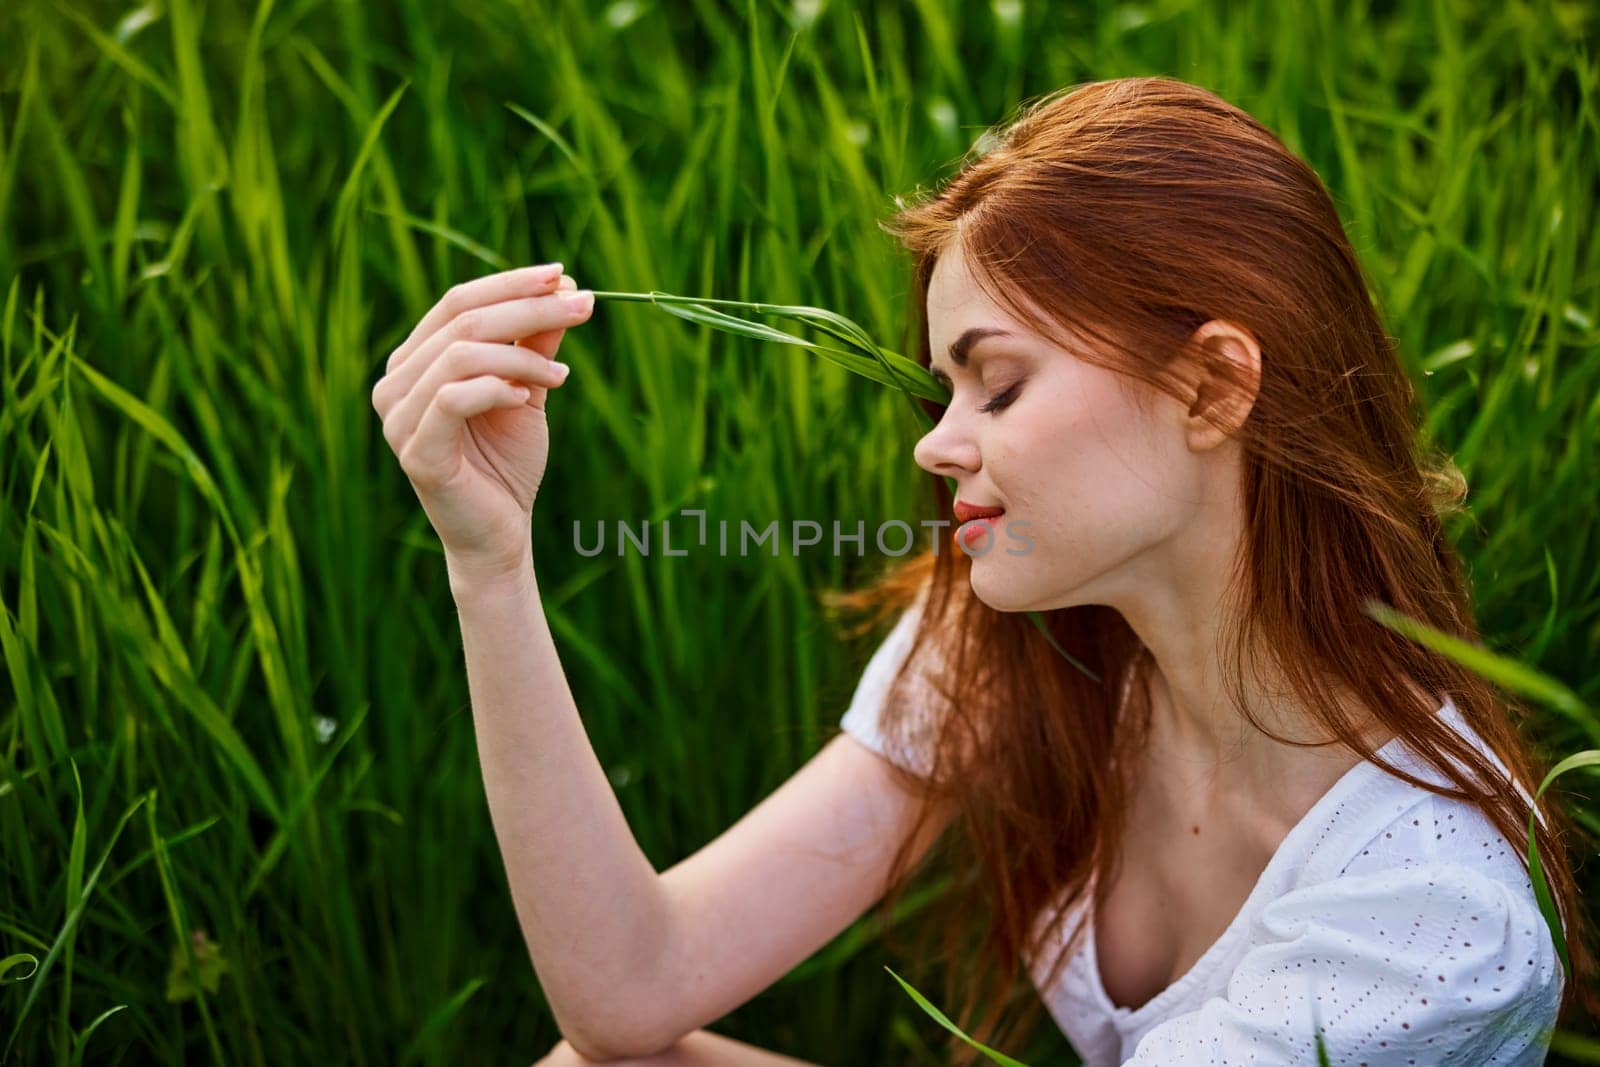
(240, 812)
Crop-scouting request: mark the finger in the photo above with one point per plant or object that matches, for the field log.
(471, 359)
(433, 453)
(527, 281)
(464, 296)
(547, 342)
(503, 322)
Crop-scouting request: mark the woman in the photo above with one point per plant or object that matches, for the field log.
(1285, 820)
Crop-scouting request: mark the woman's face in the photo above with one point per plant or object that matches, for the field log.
(1100, 497)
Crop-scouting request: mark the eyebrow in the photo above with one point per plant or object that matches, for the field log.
(961, 347)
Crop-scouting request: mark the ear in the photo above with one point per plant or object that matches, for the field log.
(1225, 379)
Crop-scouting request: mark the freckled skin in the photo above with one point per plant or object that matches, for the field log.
(1117, 500)
(1136, 509)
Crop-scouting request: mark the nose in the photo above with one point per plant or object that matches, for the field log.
(947, 449)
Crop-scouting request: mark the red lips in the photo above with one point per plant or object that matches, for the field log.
(966, 512)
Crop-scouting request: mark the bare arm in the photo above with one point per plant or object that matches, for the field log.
(781, 883)
(631, 960)
(462, 401)
(589, 902)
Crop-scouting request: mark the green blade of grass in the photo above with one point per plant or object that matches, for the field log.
(70, 926)
(15, 960)
(1506, 673)
(885, 367)
(892, 369)
(1518, 678)
(1541, 888)
(940, 1018)
(81, 1041)
(439, 1018)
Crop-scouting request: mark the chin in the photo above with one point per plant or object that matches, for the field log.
(1006, 583)
(1000, 584)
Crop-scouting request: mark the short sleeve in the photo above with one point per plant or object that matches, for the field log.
(861, 718)
(1433, 963)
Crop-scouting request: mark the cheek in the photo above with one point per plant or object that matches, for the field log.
(1085, 459)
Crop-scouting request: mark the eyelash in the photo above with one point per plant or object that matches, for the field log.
(1001, 402)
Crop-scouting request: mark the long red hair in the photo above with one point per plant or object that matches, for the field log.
(1132, 211)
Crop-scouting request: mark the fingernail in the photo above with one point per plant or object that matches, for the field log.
(579, 300)
(549, 270)
(561, 369)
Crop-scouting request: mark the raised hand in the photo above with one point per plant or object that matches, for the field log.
(463, 407)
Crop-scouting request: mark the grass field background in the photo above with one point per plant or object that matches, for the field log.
(233, 710)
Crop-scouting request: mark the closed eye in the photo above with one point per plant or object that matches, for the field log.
(1002, 401)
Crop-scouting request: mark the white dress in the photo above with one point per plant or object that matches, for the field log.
(1401, 921)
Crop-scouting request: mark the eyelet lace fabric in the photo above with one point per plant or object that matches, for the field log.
(1398, 922)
